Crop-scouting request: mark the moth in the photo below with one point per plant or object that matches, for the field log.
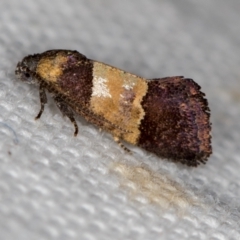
(166, 116)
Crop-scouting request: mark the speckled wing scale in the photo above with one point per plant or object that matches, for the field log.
(168, 116)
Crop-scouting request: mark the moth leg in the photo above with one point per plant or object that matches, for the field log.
(43, 101)
(118, 141)
(66, 111)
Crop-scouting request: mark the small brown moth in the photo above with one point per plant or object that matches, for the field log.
(166, 116)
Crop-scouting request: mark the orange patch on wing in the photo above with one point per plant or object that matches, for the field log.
(117, 96)
(51, 68)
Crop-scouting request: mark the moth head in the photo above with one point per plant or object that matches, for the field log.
(26, 69)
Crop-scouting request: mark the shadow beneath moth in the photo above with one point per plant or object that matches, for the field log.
(166, 116)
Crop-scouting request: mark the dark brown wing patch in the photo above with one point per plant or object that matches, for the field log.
(176, 123)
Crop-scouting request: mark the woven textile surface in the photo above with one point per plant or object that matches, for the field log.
(57, 186)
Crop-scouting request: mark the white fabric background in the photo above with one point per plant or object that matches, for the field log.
(55, 186)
